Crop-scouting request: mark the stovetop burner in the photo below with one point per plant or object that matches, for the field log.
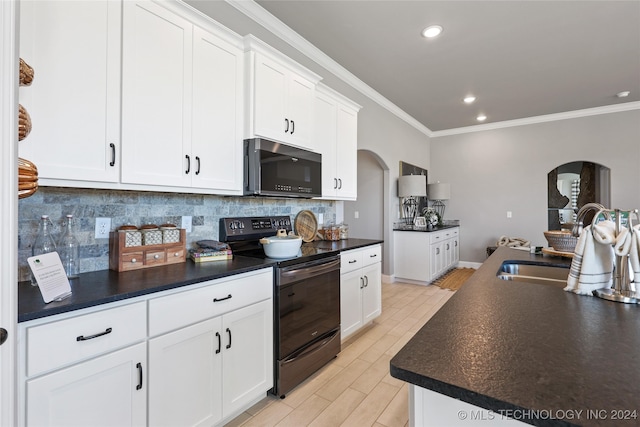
(243, 235)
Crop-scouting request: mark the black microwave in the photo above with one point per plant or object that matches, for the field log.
(276, 169)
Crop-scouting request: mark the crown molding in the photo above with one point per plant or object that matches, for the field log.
(260, 15)
(617, 108)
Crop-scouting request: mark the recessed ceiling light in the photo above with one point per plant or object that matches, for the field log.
(623, 94)
(469, 99)
(481, 118)
(432, 31)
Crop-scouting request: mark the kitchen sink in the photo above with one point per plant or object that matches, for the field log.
(531, 272)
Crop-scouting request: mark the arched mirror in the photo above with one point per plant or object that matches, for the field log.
(571, 186)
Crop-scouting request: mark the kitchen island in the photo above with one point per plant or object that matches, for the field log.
(517, 352)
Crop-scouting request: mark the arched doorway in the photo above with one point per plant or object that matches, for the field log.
(365, 216)
(571, 186)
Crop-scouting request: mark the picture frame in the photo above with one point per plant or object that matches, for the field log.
(419, 221)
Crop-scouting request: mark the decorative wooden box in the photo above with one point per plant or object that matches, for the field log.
(123, 258)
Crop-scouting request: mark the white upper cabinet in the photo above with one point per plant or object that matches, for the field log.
(336, 137)
(74, 100)
(280, 96)
(182, 103)
(216, 142)
(156, 93)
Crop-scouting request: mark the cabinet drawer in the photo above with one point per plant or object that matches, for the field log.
(175, 255)
(132, 260)
(371, 255)
(215, 298)
(350, 261)
(154, 257)
(60, 343)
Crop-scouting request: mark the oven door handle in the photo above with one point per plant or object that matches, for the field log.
(311, 349)
(297, 274)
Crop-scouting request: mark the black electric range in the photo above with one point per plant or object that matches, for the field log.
(243, 235)
(306, 299)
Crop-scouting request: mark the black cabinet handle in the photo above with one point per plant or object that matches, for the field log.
(188, 164)
(339, 183)
(139, 366)
(219, 342)
(293, 127)
(229, 345)
(90, 337)
(335, 183)
(361, 283)
(373, 255)
(291, 294)
(198, 165)
(366, 283)
(222, 299)
(353, 261)
(113, 154)
(286, 122)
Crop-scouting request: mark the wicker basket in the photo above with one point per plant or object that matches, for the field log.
(561, 240)
(26, 73)
(27, 178)
(24, 123)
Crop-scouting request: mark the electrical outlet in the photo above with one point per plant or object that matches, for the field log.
(187, 222)
(103, 226)
(509, 214)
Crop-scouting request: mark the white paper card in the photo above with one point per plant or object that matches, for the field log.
(50, 275)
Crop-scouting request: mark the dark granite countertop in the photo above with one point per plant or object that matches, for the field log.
(508, 346)
(105, 286)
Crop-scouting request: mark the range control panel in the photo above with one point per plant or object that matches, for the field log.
(252, 228)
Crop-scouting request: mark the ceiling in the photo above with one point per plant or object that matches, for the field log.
(520, 59)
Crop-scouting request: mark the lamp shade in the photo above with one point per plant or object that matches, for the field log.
(412, 186)
(439, 191)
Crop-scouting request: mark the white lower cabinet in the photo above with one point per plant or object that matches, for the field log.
(424, 256)
(106, 391)
(203, 373)
(360, 288)
(184, 385)
(192, 356)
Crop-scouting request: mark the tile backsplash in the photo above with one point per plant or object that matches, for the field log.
(138, 208)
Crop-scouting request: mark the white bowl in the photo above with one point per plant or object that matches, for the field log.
(281, 246)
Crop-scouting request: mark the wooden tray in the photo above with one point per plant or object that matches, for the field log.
(306, 225)
(553, 252)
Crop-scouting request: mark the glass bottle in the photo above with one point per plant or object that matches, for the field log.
(69, 250)
(44, 242)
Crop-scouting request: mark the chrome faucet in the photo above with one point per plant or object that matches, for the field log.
(623, 290)
(578, 226)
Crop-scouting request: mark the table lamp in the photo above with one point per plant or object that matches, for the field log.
(439, 193)
(410, 187)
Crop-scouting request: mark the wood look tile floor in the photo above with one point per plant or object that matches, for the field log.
(356, 389)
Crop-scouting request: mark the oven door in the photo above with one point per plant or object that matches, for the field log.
(308, 303)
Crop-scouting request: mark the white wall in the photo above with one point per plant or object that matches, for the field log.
(492, 172)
